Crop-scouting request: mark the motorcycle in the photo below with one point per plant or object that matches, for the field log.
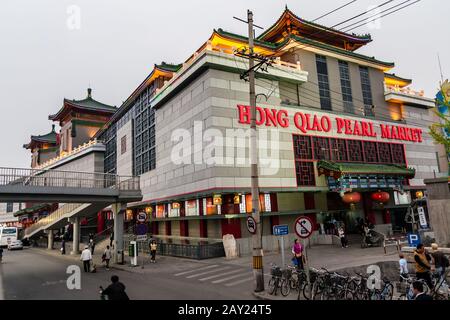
(371, 239)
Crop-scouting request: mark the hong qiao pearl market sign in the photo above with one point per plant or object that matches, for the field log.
(309, 123)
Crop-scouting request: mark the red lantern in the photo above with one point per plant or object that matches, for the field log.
(352, 198)
(381, 197)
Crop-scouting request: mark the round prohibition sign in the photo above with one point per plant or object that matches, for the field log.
(304, 227)
(251, 225)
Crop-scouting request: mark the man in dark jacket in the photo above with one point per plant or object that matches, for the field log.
(116, 290)
(418, 292)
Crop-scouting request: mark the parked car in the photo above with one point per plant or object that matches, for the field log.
(15, 245)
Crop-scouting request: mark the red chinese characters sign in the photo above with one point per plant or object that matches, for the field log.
(308, 123)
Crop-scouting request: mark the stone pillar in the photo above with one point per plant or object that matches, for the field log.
(50, 239)
(438, 198)
(118, 210)
(76, 235)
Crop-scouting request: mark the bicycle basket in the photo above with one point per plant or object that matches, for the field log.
(276, 272)
(287, 273)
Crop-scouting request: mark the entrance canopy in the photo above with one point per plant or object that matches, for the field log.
(364, 176)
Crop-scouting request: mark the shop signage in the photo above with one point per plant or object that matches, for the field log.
(217, 199)
(309, 123)
(422, 218)
(364, 182)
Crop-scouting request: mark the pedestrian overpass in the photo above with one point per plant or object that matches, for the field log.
(82, 194)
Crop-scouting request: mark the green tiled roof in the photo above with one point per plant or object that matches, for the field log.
(88, 104)
(310, 42)
(31, 210)
(341, 51)
(365, 37)
(366, 168)
(394, 76)
(169, 66)
(46, 138)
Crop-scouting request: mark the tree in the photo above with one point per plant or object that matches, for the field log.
(441, 131)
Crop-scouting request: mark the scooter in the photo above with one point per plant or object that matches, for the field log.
(370, 239)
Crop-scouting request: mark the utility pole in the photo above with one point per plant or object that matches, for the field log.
(257, 237)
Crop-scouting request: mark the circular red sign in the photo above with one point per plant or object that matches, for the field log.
(303, 227)
(251, 225)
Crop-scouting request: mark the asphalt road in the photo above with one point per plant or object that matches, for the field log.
(34, 274)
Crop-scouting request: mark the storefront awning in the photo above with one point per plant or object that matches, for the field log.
(337, 170)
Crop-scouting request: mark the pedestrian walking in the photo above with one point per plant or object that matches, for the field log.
(297, 251)
(342, 236)
(92, 245)
(440, 261)
(111, 239)
(422, 262)
(116, 290)
(107, 257)
(86, 257)
(153, 248)
(63, 246)
(404, 273)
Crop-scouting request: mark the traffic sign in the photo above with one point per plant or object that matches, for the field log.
(281, 230)
(141, 229)
(142, 237)
(251, 225)
(304, 227)
(141, 217)
(413, 239)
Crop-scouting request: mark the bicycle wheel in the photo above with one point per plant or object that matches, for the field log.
(388, 292)
(285, 288)
(306, 291)
(272, 285)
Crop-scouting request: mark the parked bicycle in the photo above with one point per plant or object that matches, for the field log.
(277, 281)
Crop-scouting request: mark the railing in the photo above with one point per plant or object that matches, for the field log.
(72, 152)
(407, 91)
(55, 216)
(66, 179)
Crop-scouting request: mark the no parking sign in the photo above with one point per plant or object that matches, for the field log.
(304, 227)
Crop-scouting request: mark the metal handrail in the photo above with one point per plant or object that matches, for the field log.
(52, 217)
(67, 179)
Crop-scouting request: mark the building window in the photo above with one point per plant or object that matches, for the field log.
(144, 136)
(109, 136)
(302, 147)
(355, 151)
(324, 85)
(384, 153)
(346, 87)
(305, 173)
(398, 154)
(370, 152)
(366, 91)
(338, 150)
(321, 148)
(123, 145)
(9, 207)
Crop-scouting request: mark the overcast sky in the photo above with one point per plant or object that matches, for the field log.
(43, 60)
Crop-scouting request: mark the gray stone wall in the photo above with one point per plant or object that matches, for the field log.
(125, 160)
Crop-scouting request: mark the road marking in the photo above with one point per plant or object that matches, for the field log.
(200, 269)
(206, 272)
(238, 282)
(229, 278)
(220, 275)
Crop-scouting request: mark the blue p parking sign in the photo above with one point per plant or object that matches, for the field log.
(413, 239)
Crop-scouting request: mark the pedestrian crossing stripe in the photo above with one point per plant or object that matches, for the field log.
(199, 269)
(220, 275)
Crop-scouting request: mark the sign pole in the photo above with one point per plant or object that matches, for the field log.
(283, 263)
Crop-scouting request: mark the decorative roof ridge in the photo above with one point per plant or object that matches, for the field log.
(365, 37)
(394, 76)
(340, 50)
(172, 67)
(267, 44)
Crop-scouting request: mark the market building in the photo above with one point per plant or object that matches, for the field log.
(340, 136)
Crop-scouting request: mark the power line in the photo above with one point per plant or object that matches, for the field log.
(385, 15)
(333, 11)
(375, 15)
